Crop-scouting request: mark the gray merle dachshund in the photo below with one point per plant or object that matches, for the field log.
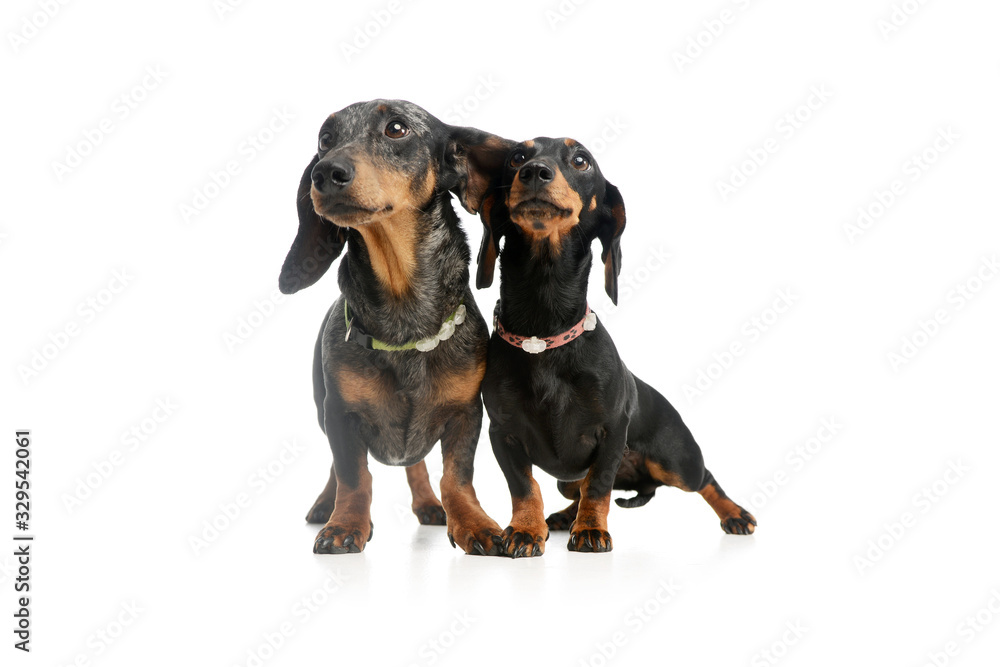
(402, 352)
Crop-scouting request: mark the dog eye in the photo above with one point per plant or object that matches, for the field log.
(396, 130)
(580, 162)
(517, 159)
(325, 142)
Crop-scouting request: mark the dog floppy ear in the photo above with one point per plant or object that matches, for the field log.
(317, 243)
(610, 233)
(492, 215)
(474, 163)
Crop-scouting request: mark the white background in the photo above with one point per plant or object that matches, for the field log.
(667, 133)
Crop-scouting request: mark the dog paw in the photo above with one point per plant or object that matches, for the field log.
(342, 539)
(481, 538)
(521, 543)
(561, 520)
(590, 540)
(739, 524)
(320, 511)
(431, 515)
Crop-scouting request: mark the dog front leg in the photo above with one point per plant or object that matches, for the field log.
(350, 527)
(589, 532)
(468, 525)
(527, 532)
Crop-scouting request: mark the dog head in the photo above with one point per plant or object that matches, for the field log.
(377, 163)
(551, 190)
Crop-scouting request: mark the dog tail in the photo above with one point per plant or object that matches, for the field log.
(638, 500)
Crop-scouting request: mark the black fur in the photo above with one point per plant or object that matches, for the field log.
(576, 409)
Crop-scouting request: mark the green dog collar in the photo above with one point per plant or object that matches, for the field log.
(358, 335)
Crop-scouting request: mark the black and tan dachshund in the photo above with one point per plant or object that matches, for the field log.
(401, 354)
(556, 391)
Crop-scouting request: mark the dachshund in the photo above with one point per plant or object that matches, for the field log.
(401, 354)
(557, 393)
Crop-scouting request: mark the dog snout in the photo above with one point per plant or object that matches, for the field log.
(536, 173)
(331, 175)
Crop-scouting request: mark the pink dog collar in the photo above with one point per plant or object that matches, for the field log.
(534, 345)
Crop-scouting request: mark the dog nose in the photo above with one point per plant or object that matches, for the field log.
(536, 173)
(332, 173)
